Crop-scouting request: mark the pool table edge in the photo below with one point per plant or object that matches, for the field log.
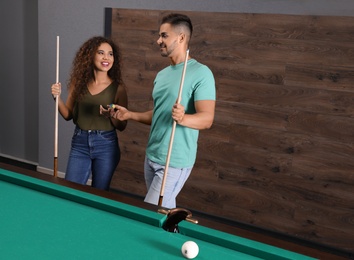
(92, 200)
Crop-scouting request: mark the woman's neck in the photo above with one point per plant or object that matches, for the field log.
(101, 78)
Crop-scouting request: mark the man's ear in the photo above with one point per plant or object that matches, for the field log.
(182, 37)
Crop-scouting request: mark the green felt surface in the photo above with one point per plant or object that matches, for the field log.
(43, 220)
(240, 244)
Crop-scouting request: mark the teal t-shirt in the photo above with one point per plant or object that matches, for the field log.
(199, 84)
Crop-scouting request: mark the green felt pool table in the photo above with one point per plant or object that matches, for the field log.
(45, 220)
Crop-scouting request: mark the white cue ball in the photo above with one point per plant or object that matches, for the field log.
(190, 249)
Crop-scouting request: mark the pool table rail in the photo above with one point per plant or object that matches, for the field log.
(88, 199)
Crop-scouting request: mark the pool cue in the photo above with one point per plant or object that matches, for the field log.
(56, 116)
(173, 132)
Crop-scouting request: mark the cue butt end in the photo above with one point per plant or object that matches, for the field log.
(55, 170)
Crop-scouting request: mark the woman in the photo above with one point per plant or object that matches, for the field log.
(95, 81)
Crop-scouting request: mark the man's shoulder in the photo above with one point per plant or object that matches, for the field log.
(200, 67)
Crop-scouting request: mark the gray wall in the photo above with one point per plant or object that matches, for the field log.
(19, 80)
(28, 55)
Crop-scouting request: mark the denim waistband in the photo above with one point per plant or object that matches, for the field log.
(78, 129)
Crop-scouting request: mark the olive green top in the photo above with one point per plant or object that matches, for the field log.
(86, 113)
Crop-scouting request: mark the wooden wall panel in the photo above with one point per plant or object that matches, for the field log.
(280, 153)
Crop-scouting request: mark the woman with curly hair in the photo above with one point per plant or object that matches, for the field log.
(95, 81)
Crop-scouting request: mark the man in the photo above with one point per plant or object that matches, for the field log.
(195, 112)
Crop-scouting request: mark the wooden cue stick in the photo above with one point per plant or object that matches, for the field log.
(56, 116)
(173, 132)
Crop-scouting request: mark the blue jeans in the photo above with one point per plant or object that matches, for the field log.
(93, 152)
(176, 177)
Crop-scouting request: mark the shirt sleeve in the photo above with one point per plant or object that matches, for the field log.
(205, 88)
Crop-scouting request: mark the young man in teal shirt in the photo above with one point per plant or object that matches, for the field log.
(195, 112)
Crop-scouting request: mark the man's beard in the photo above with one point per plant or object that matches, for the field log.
(168, 50)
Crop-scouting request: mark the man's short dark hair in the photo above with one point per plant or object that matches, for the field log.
(176, 19)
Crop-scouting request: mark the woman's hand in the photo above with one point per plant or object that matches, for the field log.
(56, 90)
(107, 112)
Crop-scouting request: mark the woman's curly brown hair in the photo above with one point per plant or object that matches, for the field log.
(82, 72)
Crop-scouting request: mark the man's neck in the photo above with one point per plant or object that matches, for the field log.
(177, 59)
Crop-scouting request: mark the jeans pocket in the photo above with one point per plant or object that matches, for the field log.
(108, 135)
(77, 132)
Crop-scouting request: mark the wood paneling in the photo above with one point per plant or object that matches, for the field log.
(280, 153)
